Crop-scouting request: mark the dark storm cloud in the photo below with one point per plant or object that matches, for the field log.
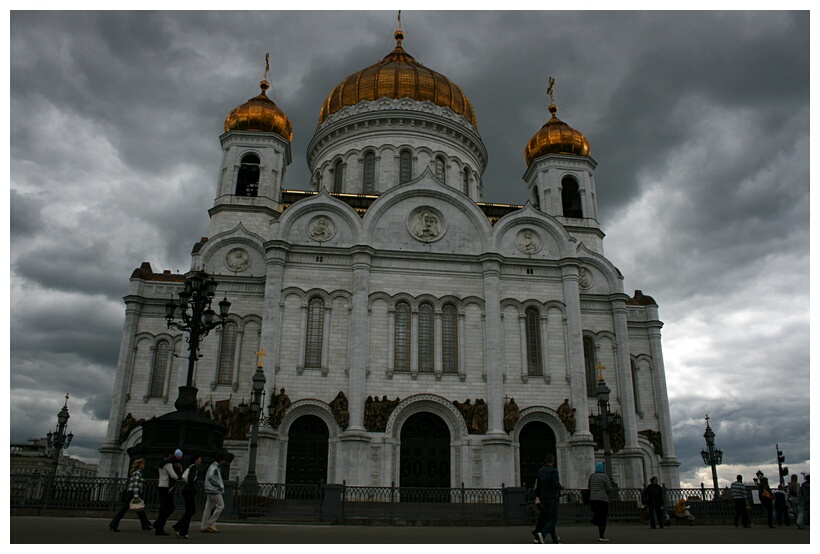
(699, 123)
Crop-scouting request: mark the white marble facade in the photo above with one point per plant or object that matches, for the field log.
(421, 244)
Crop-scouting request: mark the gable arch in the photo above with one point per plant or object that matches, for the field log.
(301, 212)
(427, 402)
(529, 216)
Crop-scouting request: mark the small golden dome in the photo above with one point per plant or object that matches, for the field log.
(556, 137)
(260, 113)
(398, 75)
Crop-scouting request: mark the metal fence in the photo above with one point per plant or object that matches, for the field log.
(341, 503)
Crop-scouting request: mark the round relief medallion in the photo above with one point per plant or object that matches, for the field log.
(321, 228)
(426, 224)
(585, 278)
(528, 241)
(237, 259)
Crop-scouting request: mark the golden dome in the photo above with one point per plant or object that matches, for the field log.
(556, 137)
(398, 75)
(260, 113)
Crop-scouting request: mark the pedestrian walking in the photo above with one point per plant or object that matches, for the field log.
(739, 496)
(169, 469)
(548, 487)
(764, 493)
(188, 481)
(794, 503)
(214, 487)
(803, 504)
(133, 489)
(781, 506)
(600, 487)
(653, 498)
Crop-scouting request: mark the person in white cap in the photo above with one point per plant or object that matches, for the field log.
(169, 468)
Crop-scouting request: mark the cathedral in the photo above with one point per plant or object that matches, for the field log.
(409, 333)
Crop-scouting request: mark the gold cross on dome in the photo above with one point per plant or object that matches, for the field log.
(261, 354)
(600, 367)
(549, 90)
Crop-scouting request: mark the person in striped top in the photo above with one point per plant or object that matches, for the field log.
(739, 495)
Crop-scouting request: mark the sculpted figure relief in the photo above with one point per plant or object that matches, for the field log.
(321, 228)
(238, 259)
(654, 437)
(511, 415)
(475, 415)
(377, 412)
(584, 278)
(426, 225)
(129, 423)
(339, 408)
(528, 241)
(279, 404)
(566, 414)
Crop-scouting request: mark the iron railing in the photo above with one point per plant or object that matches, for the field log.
(344, 503)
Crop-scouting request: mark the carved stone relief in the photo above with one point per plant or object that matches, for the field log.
(426, 224)
(321, 228)
(528, 241)
(237, 260)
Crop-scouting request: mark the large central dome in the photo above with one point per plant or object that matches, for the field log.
(398, 75)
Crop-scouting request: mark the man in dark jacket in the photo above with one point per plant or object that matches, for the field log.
(547, 487)
(653, 499)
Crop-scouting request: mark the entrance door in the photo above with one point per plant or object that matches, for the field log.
(425, 452)
(536, 440)
(307, 451)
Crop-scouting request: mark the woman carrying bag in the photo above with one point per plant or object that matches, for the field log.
(133, 492)
(600, 486)
(188, 482)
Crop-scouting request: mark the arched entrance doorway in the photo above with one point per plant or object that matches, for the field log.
(307, 451)
(425, 452)
(535, 441)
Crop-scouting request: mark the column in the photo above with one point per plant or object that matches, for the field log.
(545, 351)
(493, 344)
(575, 347)
(326, 339)
(360, 331)
(624, 371)
(522, 333)
(237, 358)
(437, 362)
(272, 311)
(391, 341)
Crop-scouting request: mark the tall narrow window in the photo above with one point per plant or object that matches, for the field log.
(405, 167)
(159, 369)
(571, 198)
(589, 364)
(369, 173)
(247, 182)
(636, 395)
(465, 180)
(533, 320)
(449, 339)
(440, 174)
(315, 326)
(427, 337)
(401, 355)
(338, 175)
(227, 350)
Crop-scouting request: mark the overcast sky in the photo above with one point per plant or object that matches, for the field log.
(699, 123)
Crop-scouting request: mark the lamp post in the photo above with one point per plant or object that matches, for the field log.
(257, 397)
(712, 456)
(603, 412)
(198, 319)
(58, 441)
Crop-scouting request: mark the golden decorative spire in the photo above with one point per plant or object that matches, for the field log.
(399, 33)
(267, 66)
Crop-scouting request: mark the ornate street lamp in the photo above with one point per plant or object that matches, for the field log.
(257, 416)
(604, 414)
(712, 456)
(58, 441)
(198, 319)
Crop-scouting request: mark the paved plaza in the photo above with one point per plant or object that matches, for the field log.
(76, 530)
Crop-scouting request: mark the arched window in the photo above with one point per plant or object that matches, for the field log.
(440, 174)
(533, 327)
(427, 337)
(589, 365)
(449, 339)
(247, 182)
(159, 369)
(401, 354)
(571, 198)
(315, 326)
(405, 166)
(338, 175)
(369, 173)
(227, 350)
(465, 180)
(636, 395)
